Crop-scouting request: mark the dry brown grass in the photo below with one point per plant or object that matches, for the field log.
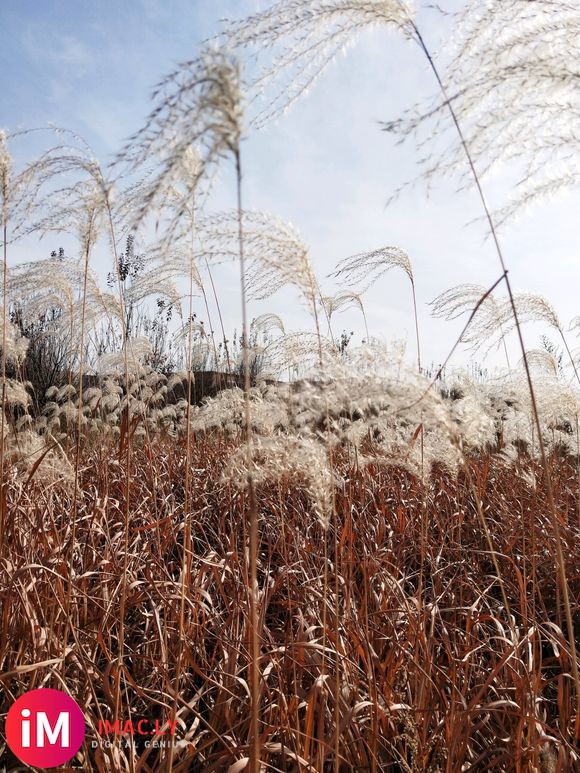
(421, 670)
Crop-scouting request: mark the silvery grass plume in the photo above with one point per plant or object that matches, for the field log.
(177, 258)
(301, 459)
(342, 301)
(89, 205)
(97, 409)
(265, 324)
(465, 299)
(226, 412)
(20, 189)
(559, 407)
(85, 204)
(275, 254)
(19, 201)
(512, 81)
(305, 36)
(15, 343)
(101, 408)
(57, 283)
(134, 351)
(17, 395)
(86, 197)
(355, 402)
(176, 253)
(173, 198)
(494, 319)
(362, 270)
(370, 406)
(198, 106)
(29, 453)
(542, 361)
(297, 353)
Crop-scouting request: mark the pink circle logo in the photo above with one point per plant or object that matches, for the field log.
(45, 728)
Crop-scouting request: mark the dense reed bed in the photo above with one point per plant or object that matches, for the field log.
(385, 643)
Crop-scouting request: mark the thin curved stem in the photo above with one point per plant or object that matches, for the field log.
(253, 558)
(560, 561)
(416, 326)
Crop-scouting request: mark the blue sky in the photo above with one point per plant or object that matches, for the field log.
(326, 166)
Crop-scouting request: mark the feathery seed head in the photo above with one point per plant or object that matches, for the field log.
(363, 269)
(196, 122)
(308, 35)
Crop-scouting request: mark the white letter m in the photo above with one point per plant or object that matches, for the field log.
(61, 727)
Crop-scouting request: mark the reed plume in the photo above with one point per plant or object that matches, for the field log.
(363, 269)
(197, 106)
(511, 81)
(306, 37)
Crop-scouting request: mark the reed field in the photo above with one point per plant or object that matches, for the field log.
(278, 549)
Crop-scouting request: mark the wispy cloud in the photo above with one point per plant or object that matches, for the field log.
(63, 51)
(73, 52)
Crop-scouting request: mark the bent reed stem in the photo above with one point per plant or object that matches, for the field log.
(560, 561)
(253, 558)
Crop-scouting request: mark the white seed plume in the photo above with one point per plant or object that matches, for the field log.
(306, 36)
(512, 80)
(302, 460)
(199, 105)
(266, 323)
(494, 318)
(340, 301)
(363, 269)
(275, 254)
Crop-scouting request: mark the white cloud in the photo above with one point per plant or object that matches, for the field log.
(72, 52)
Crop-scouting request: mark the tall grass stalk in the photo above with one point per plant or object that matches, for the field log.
(560, 561)
(124, 444)
(253, 504)
(219, 311)
(187, 508)
(89, 227)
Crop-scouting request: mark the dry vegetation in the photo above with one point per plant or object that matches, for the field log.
(367, 568)
(418, 614)
(390, 624)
